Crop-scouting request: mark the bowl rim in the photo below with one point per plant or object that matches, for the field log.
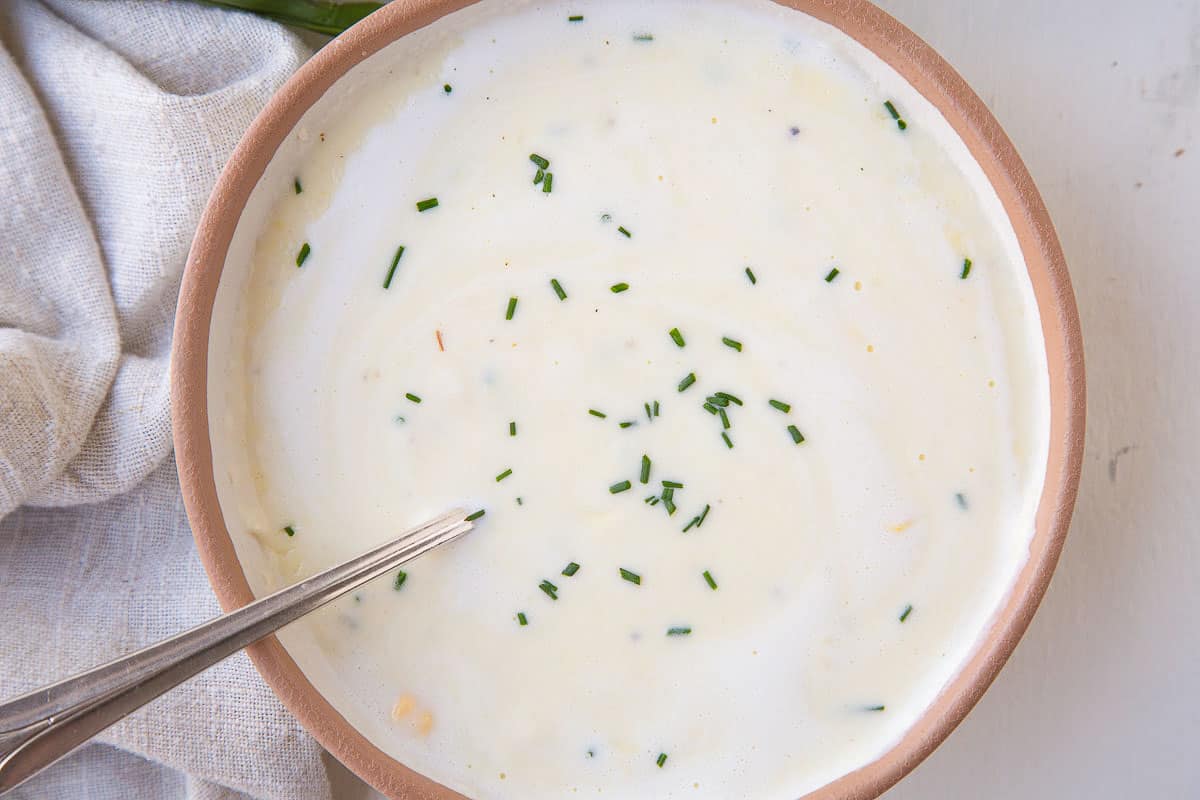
(921, 66)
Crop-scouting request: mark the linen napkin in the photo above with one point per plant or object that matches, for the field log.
(115, 120)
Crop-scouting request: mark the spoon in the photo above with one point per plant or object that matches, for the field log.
(39, 728)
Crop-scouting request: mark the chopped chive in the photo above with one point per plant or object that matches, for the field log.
(779, 404)
(900, 123)
(703, 515)
(643, 37)
(447, 88)
(632, 577)
(575, 18)
(710, 408)
(627, 424)
(303, 254)
(625, 233)
(662, 759)
(724, 418)
(961, 499)
(687, 381)
(387, 282)
(874, 708)
(570, 569)
(617, 288)
(833, 273)
(656, 408)
(596, 413)
(425, 205)
(653, 500)
(512, 308)
(550, 589)
(645, 477)
(541, 162)
(678, 631)
(503, 475)
(401, 577)
(727, 396)
(296, 185)
(290, 531)
(734, 343)
(548, 183)
(695, 521)
(539, 176)
(475, 516)
(672, 485)
(708, 578)
(717, 400)
(619, 487)
(521, 618)
(797, 436)
(750, 275)
(668, 501)
(412, 397)
(905, 613)
(558, 289)
(728, 441)
(649, 413)
(676, 336)
(512, 429)
(966, 268)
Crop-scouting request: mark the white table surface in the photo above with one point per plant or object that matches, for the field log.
(1102, 697)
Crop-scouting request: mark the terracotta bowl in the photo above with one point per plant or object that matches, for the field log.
(889, 40)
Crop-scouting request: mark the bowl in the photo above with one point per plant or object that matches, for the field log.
(887, 39)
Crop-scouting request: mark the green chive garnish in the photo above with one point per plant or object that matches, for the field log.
(833, 273)
(779, 404)
(541, 162)
(550, 589)
(656, 408)
(678, 631)
(900, 123)
(512, 308)
(619, 487)
(718, 401)
(632, 577)
(676, 336)
(703, 515)
(966, 268)
(290, 531)
(873, 708)
(727, 396)
(521, 618)
(575, 18)
(476, 515)
(672, 485)
(558, 289)
(750, 275)
(649, 413)
(645, 477)
(303, 254)
(728, 441)
(617, 288)
(797, 436)
(652, 500)
(643, 37)
(447, 88)
(734, 343)
(904, 614)
(708, 578)
(596, 413)
(425, 205)
(539, 176)
(387, 282)
(621, 230)
(695, 521)
(548, 183)
(710, 408)
(401, 577)
(296, 185)
(512, 429)
(687, 381)
(668, 501)
(412, 397)
(724, 418)
(503, 475)
(662, 759)
(627, 424)
(570, 569)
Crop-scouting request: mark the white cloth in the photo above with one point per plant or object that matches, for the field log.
(115, 119)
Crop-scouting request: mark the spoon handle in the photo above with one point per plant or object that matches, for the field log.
(46, 724)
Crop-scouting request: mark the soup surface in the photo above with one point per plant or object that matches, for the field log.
(716, 322)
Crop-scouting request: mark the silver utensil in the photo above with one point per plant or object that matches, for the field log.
(44, 725)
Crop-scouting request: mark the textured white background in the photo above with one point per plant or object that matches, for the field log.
(1102, 698)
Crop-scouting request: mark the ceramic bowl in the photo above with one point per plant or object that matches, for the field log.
(933, 78)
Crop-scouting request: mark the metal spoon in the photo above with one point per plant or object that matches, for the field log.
(39, 728)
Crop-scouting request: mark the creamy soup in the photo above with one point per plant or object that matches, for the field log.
(719, 332)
